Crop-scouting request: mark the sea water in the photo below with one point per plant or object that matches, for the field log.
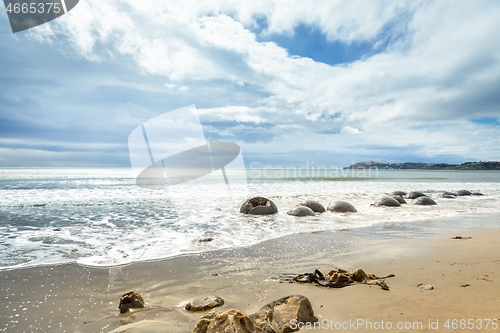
(100, 217)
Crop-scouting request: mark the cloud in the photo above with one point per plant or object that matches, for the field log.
(429, 68)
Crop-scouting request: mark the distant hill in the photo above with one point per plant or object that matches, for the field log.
(426, 166)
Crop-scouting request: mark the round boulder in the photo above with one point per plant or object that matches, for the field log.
(400, 193)
(258, 206)
(399, 199)
(462, 193)
(448, 196)
(477, 193)
(314, 205)
(414, 195)
(301, 211)
(387, 201)
(424, 201)
(341, 207)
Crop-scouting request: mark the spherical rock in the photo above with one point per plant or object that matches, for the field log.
(414, 195)
(387, 201)
(399, 199)
(341, 207)
(314, 205)
(424, 201)
(400, 193)
(258, 206)
(477, 193)
(301, 211)
(462, 193)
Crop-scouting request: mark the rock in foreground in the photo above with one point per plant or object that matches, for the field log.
(229, 321)
(278, 316)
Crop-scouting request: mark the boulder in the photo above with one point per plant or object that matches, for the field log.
(414, 195)
(258, 206)
(424, 201)
(130, 300)
(387, 201)
(477, 193)
(149, 326)
(301, 211)
(448, 196)
(341, 207)
(462, 193)
(231, 321)
(314, 205)
(278, 316)
(399, 199)
(400, 193)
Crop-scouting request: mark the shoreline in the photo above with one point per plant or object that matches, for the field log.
(76, 298)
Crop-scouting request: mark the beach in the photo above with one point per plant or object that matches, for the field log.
(463, 272)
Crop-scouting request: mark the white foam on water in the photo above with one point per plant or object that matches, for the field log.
(98, 217)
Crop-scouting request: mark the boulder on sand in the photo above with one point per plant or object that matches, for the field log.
(278, 316)
(229, 321)
(130, 300)
(258, 206)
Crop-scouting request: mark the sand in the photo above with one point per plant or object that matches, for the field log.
(464, 274)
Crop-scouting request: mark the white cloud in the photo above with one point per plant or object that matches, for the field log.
(437, 68)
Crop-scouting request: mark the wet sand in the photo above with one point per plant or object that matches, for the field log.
(464, 273)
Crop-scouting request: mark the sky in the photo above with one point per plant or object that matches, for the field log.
(291, 82)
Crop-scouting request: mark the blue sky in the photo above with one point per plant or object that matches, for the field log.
(291, 82)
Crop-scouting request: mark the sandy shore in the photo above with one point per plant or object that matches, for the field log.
(464, 273)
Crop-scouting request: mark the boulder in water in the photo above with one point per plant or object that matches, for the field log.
(258, 206)
(462, 193)
(301, 211)
(314, 205)
(388, 202)
(424, 201)
(341, 207)
(399, 199)
(414, 195)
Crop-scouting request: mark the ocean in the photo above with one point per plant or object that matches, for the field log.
(100, 217)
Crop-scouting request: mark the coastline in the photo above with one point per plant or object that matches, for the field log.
(75, 298)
